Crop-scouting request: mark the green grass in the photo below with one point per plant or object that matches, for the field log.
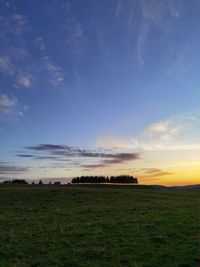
(97, 226)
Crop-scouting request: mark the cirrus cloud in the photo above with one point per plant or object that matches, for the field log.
(9, 106)
(176, 133)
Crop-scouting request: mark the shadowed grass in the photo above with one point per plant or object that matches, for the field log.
(98, 226)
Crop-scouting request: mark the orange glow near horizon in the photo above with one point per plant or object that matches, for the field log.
(183, 177)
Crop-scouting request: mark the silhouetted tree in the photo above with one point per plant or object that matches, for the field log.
(19, 181)
(56, 183)
(6, 182)
(40, 182)
(101, 179)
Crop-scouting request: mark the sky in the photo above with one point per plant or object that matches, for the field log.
(100, 88)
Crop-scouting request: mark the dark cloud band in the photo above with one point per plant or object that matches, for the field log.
(64, 152)
(12, 169)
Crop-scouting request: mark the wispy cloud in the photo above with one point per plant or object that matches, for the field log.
(15, 24)
(9, 106)
(151, 13)
(20, 23)
(31, 72)
(55, 74)
(73, 29)
(7, 102)
(54, 152)
(27, 59)
(162, 17)
(117, 158)
(181, 61)
(18, 62)
(75, 33)
(25, 80)
(154, 172)
(9, 168)
(163, 132)
(9, 67)
(142, 40)
(171, 134)
(6, 66)
(13, 58)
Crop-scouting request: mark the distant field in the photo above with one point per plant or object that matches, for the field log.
(97, 226)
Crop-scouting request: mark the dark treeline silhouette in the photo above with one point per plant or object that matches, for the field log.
(23, 181)
(57, 183)
(16, 181)
(123, 179)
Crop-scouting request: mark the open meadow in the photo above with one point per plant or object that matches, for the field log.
(98, 225)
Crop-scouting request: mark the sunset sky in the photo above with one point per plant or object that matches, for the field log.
(100, 88)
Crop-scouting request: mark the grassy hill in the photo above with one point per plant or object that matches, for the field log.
(98, 226)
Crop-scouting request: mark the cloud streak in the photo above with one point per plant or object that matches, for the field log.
(155, 172)
(54, 152)
(116, 159)
(9, 168)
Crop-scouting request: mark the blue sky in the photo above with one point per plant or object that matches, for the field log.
(100, 87)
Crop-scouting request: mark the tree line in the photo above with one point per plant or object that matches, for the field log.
(123, 179)
(23, 181)
(16, 181)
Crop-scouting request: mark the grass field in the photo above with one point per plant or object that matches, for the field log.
(99, 225)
